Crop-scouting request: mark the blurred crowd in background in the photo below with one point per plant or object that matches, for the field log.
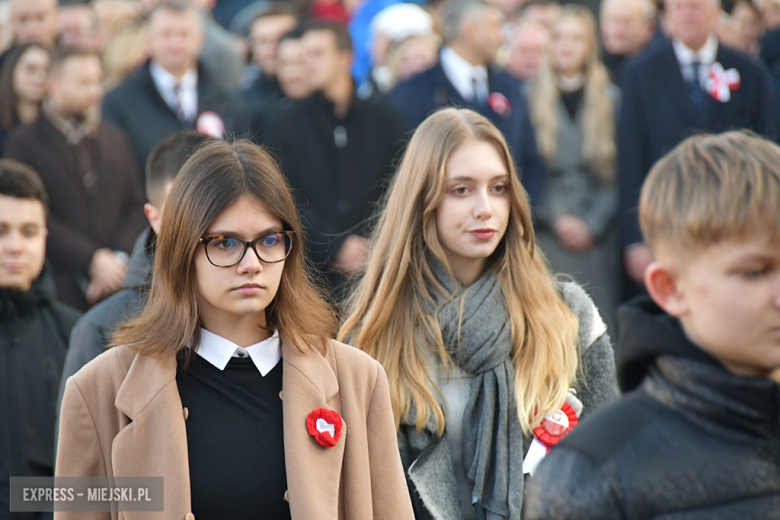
(335, 87)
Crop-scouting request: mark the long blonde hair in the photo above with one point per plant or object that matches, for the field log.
(598, 141)
(386, 313)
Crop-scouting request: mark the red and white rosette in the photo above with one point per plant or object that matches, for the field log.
(325, 426)
(554, 427)
(500, 104)
(209, 123)
(720, 82)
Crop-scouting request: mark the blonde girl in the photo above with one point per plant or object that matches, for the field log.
(573, 110)
(479, 342)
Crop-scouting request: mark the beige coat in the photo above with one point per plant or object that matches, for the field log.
(122, 416)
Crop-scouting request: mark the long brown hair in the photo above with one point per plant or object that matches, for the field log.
(598, 117)
(386, 314)
(212, 180)
(8, 98)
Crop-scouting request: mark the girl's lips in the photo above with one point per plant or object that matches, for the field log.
(483, 234)
(249, 289)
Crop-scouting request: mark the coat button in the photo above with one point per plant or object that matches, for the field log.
(189, 516)
(186, 415)
(286, 499)
(280, 395)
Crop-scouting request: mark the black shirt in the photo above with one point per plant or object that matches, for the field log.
(572, 101)
(235, 440)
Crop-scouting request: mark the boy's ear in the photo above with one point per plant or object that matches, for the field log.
(663, 285)
(154, 216)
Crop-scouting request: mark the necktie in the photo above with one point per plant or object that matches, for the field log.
(697, 92)
(176, 102)
(476, 87)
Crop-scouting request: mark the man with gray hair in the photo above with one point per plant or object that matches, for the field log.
(690, 84)
(466, 75)
(32, 21)
(627, 27)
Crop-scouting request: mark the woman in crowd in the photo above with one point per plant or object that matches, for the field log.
(22, 87)
(228, 385)
(573, 109)
(489, 359)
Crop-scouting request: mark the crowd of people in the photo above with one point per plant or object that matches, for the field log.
(465, 190)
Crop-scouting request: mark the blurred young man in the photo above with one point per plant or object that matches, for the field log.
(171, 92)
(97, 210)
(262, 85)
(93, 331)
(290, 66)
(335, 150)
(34, 331)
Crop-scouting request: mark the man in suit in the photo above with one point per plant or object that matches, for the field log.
(171, 92)
(687, 85)
(336, 150)
(89, 168)
(466, 76)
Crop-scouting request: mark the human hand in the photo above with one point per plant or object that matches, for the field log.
(574, 233)
(106, 272)
(352, 256)
(637, 257)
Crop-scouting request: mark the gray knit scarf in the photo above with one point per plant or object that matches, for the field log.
(492, 437)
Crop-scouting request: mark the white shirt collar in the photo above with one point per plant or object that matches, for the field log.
(218, 351)
(706, 55)
(166, 82)
(462, 73)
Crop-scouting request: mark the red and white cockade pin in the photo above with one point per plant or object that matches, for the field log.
(720, 82)
(556, 425)
(325, 426)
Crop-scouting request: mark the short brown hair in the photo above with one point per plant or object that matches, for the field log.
(340, 33)
(20, 181)
(59, 55)
(214, 178)
(710, 188)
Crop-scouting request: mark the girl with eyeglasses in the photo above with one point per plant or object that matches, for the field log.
(490, 360)
(228, 385)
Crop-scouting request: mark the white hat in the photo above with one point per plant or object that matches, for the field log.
(401, 21)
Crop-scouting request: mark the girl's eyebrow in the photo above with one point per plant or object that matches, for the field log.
(226, 233)
(465, 178)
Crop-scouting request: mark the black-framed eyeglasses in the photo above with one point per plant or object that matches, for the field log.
(228, 251)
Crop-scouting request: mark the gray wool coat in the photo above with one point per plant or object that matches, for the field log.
(430, 472)
(571, 187)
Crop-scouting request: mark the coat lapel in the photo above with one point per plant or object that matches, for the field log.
(154, 443)
(675, 84)
(313, 472)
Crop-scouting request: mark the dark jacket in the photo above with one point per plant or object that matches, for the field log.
(138, 108)
(690, 441)
(108, 214)
(34, 330)
(337, 167)
(431, 90)
(658, 114)
(92, 332)
(258, 97)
